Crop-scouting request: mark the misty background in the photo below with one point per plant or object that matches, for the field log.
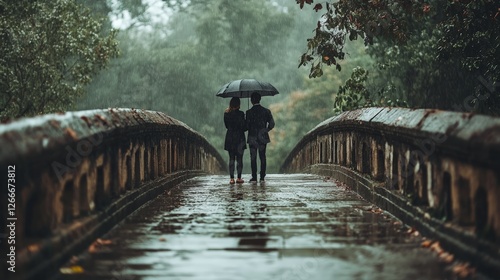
(174, 59)
(174, 55)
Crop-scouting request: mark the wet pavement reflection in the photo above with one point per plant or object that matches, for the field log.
(292, 227)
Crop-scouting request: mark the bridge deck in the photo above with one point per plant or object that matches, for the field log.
(293, 227)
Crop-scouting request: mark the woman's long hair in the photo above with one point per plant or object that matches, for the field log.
(234, 104)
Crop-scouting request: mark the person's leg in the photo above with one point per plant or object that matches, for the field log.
(263, 163)
(232, 156)
(253, 161)
(239, 164)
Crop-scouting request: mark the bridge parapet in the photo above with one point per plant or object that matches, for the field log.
(70, 165)
(446, 164)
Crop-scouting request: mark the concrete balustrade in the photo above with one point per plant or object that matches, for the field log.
(69, 166)
(73, 164)
(446, 164)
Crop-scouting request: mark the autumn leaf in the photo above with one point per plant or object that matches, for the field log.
(426, 8)
(318, 7)
(426, 243)
(104, 241)
(446, 257)
(301, 3)
(463, 270)
(34, 248)
(93, 248)
(436, 247)
(96, 245)
(75, 269)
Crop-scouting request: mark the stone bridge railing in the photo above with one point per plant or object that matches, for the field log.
(59, 169)
(440, 168)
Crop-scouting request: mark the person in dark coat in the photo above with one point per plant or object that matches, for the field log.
(259, 122)
(234, 143)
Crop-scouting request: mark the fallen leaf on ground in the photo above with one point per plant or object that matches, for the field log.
(427, 243)
(377, 210)
(75, 269)
(104, 241)
(446, 257)
(33, 248)
(96, 245)
(463, 270)
(436, 247)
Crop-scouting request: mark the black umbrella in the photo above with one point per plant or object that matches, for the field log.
(245, 87)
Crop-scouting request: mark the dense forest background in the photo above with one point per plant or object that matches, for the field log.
(173, 56)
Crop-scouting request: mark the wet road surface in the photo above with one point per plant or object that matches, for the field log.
(292, 227)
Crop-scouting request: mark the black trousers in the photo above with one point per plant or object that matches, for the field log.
(238, 156)
(261, 148)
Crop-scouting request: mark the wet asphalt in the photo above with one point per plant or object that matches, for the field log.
(294, 226)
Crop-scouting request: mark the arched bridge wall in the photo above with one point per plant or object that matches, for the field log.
(445, 163)
(67, 166)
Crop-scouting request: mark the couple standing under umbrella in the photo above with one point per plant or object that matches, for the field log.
(258, 122)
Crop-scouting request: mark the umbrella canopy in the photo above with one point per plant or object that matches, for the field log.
(243, 88)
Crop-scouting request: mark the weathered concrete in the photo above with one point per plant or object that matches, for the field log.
(45, 256)
(72, 167)
(446, 164)
(293, 227)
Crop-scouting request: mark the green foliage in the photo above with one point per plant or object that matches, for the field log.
(50, 50)
(471, 36)
(349, 20)
(355, 94)
(415, 75)
(437, 54)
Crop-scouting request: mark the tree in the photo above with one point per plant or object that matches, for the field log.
(471, 35)
(50, 51)
(435, 51)
(344, 20)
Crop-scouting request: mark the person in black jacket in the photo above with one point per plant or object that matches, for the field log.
(259, 122)
(234, 119)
